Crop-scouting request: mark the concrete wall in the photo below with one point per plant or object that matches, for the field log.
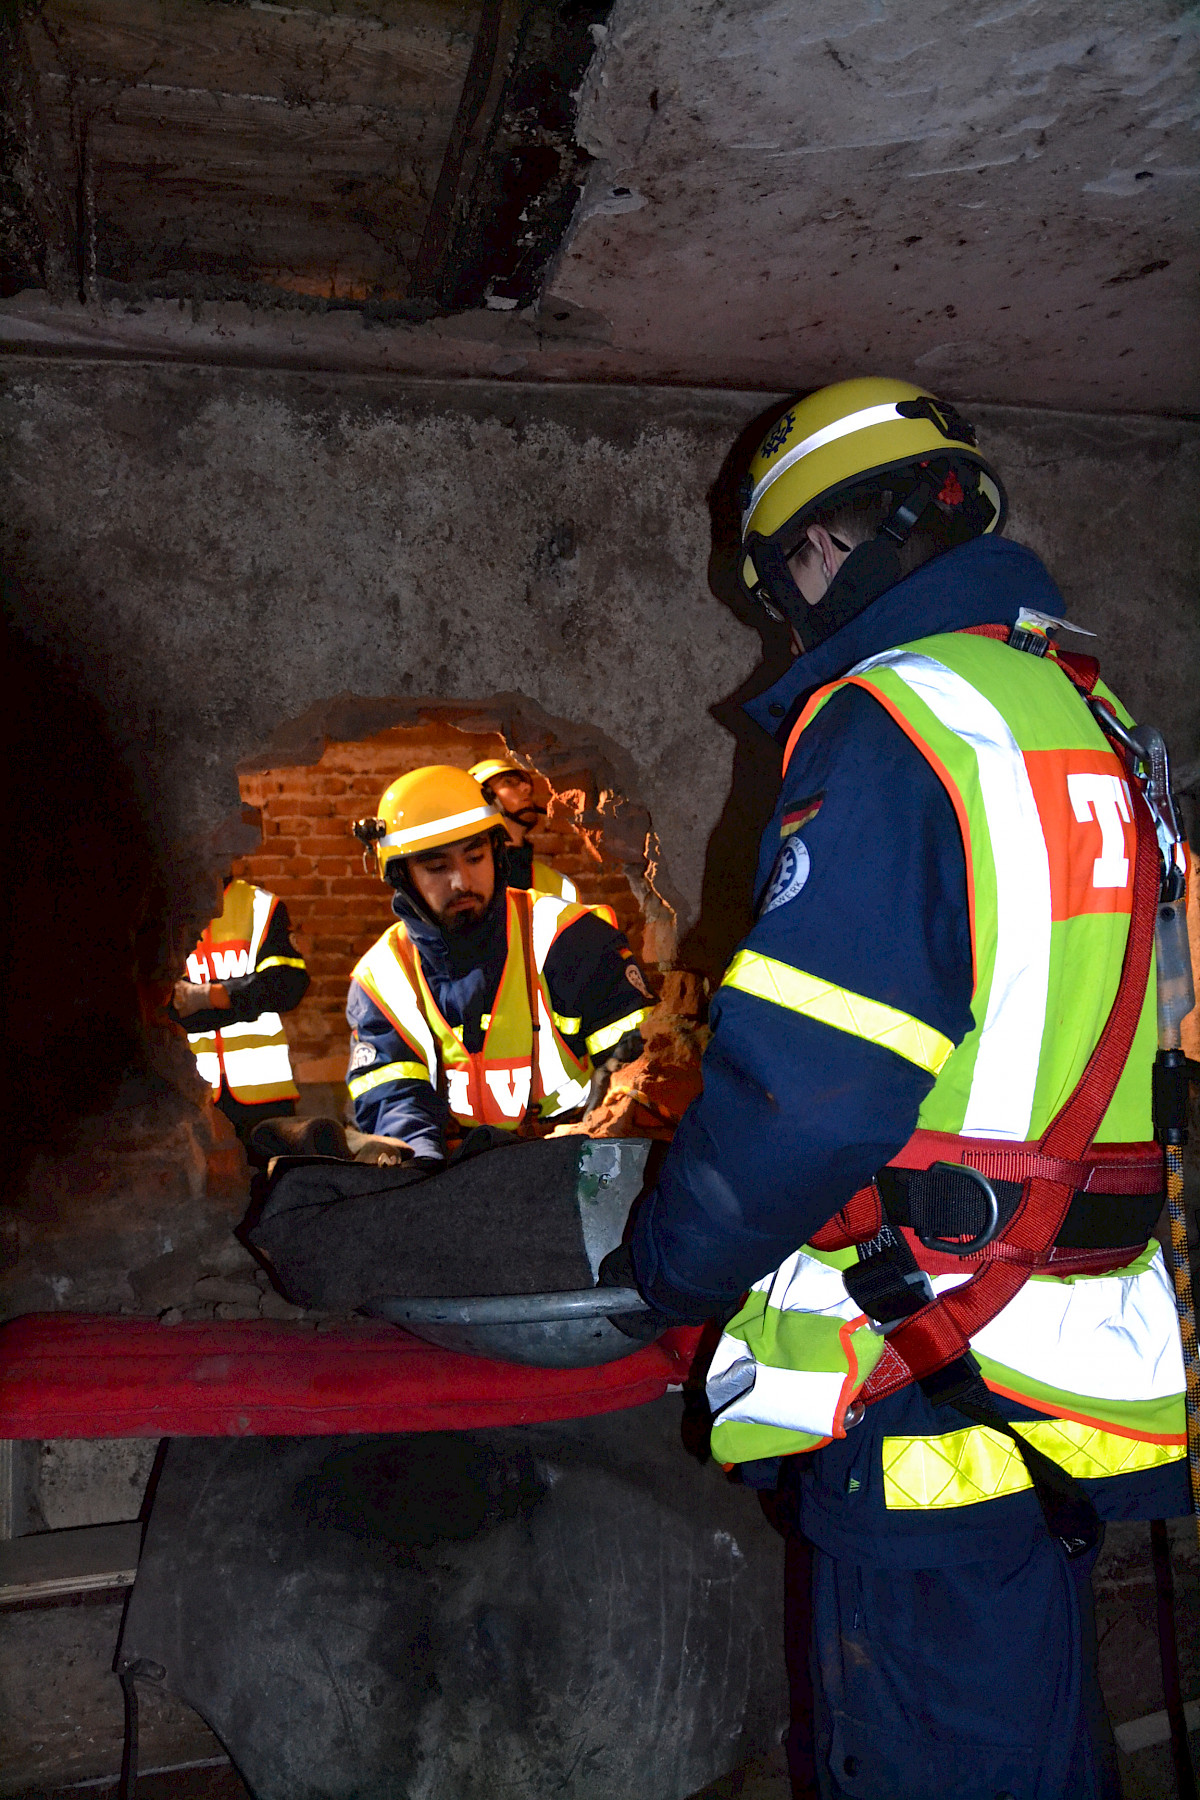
(218, 552)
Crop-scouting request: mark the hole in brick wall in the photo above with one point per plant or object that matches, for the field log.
(311, 860)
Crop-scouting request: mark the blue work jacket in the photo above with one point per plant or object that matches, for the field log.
(796, 1116)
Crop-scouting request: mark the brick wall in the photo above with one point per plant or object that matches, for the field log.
(311, 860)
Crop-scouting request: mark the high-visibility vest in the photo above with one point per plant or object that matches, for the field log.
(507, 1078)
(547, 880)
(1047, 826)
(251, 1058)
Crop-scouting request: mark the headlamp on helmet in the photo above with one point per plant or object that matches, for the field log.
(422, 811)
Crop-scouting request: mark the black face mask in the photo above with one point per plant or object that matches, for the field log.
(869, 571)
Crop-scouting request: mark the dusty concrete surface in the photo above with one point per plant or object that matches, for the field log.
(84, 1481)
(61, 1713)
(999, 199)
(63, 1710)
(218, 552)
(327, 131)
(134, 1210)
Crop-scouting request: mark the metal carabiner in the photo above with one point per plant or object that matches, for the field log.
(1147, 747)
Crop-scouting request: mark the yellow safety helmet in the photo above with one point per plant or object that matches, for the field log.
(424, 809)
(849, 437)
(486, 771)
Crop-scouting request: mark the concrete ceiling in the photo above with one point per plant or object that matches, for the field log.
(998, 200)
(995, 198)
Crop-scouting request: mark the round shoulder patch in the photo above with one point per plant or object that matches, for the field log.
(787, 877)
(362, 1055)
(636, 979)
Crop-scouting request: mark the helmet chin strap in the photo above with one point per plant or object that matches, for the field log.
(869, 571)
(406, 892)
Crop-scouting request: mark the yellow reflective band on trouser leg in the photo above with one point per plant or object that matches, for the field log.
(608, 1035)
(396, 1071)
(961, 1468)
(838, 1007)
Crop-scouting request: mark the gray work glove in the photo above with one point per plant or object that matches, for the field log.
(617, 1271)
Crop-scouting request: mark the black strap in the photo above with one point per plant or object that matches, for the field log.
(127, 1785)
(128, 1671)
(885, 1282)
(937, 1203)
(1067, 1510)
(888, 1285)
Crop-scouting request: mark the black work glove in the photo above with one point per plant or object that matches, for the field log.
(478, 1140)
(617, 1271)
(627, 1049)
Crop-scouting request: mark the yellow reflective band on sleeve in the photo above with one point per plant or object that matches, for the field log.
(397, 1071)
(815, 998)
(235, 1039)
(961, 1468)
(279, 962)
(568, 1027)
(608, 1035)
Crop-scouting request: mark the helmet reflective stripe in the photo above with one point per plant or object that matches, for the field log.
(496, 765)
(859, 421)
(397, 839)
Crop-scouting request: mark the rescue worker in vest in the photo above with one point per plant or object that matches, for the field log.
(943, 908)
(509, 788)
(486, 1003)
(242, 975)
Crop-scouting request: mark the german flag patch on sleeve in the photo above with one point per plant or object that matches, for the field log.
(799, 815)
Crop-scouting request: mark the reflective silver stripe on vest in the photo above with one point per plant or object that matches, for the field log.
(1010, 1044)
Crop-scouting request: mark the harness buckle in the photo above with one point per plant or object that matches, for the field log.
(921, 1285)
(967, 1246)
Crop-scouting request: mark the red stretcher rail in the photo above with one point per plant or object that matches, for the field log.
(79, 1375)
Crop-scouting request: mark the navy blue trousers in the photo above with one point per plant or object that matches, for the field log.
(975, 1682)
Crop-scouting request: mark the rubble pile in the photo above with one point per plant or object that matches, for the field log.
(647, 1098)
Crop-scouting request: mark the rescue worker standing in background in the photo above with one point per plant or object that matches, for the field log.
(242, 974)
(509, 789)
(486, 1003)
(943, 938)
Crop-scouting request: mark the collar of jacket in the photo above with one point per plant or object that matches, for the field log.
(985, 582)
(463, 968)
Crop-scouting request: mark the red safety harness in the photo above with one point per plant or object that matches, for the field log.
(928, 1340)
